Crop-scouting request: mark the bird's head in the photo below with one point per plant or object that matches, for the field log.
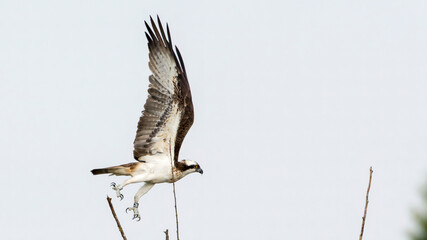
(189, 166)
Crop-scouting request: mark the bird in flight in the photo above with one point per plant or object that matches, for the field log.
(167, 116)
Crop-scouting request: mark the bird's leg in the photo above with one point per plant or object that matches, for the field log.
(119, 187)
(143, 190)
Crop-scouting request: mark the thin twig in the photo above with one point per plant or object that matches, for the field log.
(174, 194)
(115, 217)
(366, 203)
(167, 234)
(176, 213)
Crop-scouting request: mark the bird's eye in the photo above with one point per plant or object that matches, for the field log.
(196, 167)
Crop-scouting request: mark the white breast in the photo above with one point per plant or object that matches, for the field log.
(156, 169)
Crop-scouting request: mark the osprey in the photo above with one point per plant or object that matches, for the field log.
(166, 118)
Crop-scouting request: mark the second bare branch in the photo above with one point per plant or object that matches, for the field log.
(366, 204)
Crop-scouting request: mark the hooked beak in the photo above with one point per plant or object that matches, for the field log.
(199, 170)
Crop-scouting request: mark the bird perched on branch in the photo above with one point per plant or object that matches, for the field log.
(167, 117)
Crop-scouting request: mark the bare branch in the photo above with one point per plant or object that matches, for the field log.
(174, 198)
(167, 234)
(176, 213)
(115, 218)
(366, 203)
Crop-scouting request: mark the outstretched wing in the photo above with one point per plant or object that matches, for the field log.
(168, 111)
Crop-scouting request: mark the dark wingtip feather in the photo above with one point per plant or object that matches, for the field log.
(151, 19)
(156, 31)
(162, 31)
(169, 34)
(180, 60)
(153, 37)
(148, 38)
(158, 19)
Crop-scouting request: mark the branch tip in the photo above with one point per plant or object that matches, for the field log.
(115, 218)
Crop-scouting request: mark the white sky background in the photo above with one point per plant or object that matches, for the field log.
(294, 100)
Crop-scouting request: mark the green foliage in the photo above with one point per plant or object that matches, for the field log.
(420, 216)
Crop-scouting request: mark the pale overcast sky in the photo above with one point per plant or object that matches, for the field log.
(294, 100)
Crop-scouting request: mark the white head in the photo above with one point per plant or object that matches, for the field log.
(188, 166)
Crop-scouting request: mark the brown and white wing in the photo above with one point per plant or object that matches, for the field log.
(186, 109)
(160, 121)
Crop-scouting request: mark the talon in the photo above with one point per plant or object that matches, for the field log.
(121, 197)
(113, 184)
(135, 212)
(137, 217)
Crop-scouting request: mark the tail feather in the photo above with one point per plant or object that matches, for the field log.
(100, 171)
(125, 169)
